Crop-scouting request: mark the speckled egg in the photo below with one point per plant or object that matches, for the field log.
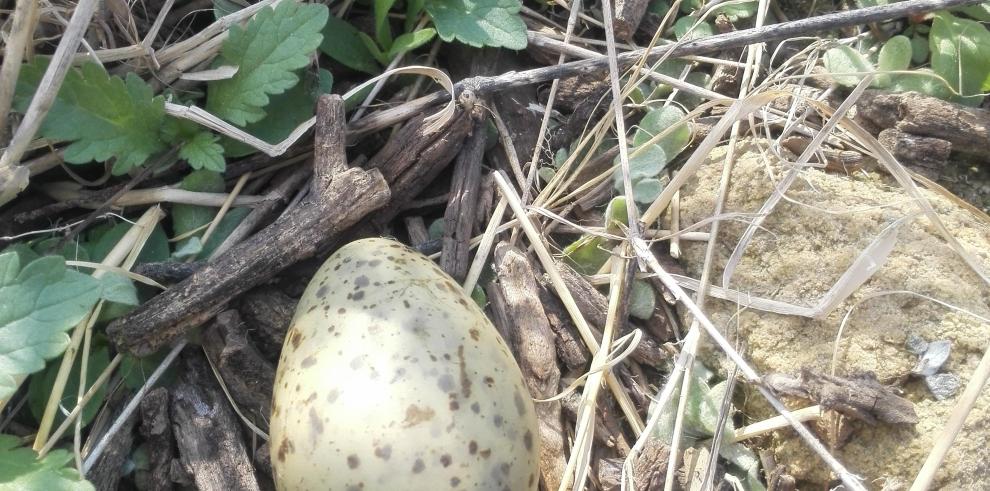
(391, 378)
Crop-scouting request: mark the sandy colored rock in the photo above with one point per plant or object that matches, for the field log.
(806, 244)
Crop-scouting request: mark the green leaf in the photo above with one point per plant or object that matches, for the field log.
(688, 28)
(736, 11)
(647, 190)
(435, 230)
(616, 214)
(919, 48)
(842, 61)
(923, 81)
(647, 162)
(227, 224)
(40, 302)
(660, 119)
(190, 247)
(102, 238)
(41, 385)
(546, 174)
(225, 7)
(413, 9)
(20, 469)
(118, 288)
(479, 23)
(642, 300)
(373, 48)
(286, 111)
(135, 371)
(587, 254)
(410, 41)
(383, 32)
(959, 54)
(325, 79)
(980, 12)
(186, 218)
(104, 117)
(203, 152)
(342, 42)
(267, 52)
(895, 55)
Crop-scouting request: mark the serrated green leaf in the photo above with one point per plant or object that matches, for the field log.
(410, 41)
(103, 117)
(20, 469)
(40, 388)
(895, 55)
(479, 23)
(287, 111)
(843, 61)
(959, 50)
(642, 300)
(688, 28)
(203, 152)
(342, 42)
(587, 254)
(267, 52)
(40, 302)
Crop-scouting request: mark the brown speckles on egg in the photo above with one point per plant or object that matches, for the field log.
(341, 311)
(353, 461)
(454, 405)
(322, 291)
(475, 408)
(315, 423)
(285, 448)
(528, 440)
(383, 452)
(416, 415)
(418, 466)
(473, 447)
(475, 334)
(361, 282)
(455, 481)
(446, 460)
(465, 379)
(332, 396)
(520, 403)
(498, 420)
(308, 361)
(295, 338)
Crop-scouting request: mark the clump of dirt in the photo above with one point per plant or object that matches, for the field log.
(806, 244)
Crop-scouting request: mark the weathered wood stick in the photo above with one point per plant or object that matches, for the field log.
(319, 220)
